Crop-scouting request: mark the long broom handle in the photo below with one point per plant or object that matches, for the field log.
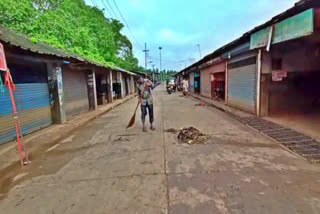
(137, 107)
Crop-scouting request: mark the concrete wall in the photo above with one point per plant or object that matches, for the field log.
(296, 57)
(266, 63)
(264, 94)
(191, 82)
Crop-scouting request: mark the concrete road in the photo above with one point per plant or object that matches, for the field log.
(103, 168)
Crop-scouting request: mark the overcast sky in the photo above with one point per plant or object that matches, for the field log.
(180, 25)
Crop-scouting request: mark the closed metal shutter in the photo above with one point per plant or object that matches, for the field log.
(75, 92)
(32, 101)
(242, 83)
(205, 82)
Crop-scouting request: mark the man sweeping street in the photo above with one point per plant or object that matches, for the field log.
(145, 95)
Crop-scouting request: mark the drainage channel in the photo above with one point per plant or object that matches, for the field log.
(301, 144)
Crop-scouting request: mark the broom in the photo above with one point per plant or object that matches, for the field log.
(133, 118)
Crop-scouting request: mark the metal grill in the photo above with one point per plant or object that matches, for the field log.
(303, 145)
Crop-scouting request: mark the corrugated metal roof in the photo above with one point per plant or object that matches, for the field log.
(18, 40)
(22, 41)
(123, 70)
(300, 6)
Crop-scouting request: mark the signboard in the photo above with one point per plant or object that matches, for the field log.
(294, 27)
(278, 76)
(260, 38)
(3, 62)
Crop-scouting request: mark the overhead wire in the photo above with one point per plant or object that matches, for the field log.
(135, 43)
(115, 15)
(94, 3)
(126, 23)
(105, 6)
(112, 15)
(169, 61)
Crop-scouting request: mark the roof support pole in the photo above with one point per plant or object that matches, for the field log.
(56, 93)
(109, 86)
(92, 89)
(259, 69)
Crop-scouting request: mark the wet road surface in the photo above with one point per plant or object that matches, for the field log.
(104, 168)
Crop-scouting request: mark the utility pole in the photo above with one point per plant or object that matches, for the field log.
(199, 51)
(153, 72)
(160, 48)
(145, 55)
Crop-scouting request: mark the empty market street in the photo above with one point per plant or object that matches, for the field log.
(104, 168)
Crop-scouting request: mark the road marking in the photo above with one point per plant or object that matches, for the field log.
(52, 148)
(68, 140)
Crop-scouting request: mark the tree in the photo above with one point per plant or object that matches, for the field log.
(72, 26)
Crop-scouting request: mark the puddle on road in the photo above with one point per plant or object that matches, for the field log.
(43, 163)
(48, 159)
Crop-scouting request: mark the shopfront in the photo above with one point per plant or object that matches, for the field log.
(31, 96)
(242, 81)
(75, 88)
(213, 79)
(197, 83)
(290, 88)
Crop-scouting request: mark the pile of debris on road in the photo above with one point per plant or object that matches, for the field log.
(192, 135)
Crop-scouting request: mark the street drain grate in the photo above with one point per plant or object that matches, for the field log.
(298, 146)
(303, 145)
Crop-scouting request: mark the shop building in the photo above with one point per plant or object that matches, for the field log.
(52, 86)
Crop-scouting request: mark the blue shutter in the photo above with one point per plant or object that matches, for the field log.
(32, 101)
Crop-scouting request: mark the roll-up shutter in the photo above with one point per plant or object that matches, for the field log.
(242, 82)
(32, 101)
(75, 92)
(205, 82)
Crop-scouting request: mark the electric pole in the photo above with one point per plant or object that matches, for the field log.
(199, 51)
(160, 48)
(145, 55)
(153, 73)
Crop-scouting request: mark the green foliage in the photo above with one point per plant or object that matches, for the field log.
(72, 26)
